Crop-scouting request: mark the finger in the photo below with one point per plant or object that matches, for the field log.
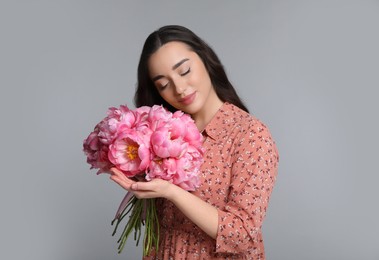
(146, 186)
(120, 175)
(141, 186)
(123, 182)
(117, 172)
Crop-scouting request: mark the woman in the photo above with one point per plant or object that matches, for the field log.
(222, 219)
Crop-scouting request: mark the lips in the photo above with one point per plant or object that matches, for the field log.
(188, 99)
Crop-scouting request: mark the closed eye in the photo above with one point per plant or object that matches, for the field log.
(162, 87)
(185, 73)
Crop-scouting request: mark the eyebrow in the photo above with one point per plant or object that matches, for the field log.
(177, 65)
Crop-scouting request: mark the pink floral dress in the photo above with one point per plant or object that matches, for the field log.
(237, 177)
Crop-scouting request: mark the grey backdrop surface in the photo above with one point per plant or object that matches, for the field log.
(308, 69)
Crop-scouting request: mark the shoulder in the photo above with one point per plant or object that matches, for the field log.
(233, 123)
(246, 122)
(250, 133)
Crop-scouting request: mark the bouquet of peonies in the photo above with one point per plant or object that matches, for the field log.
(145, 143)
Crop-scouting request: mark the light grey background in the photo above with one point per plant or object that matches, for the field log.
(308, 69)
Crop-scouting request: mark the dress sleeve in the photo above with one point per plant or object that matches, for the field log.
(253, 174)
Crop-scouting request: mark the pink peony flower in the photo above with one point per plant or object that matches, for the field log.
(130, 152)
(109, 125)
(158, 117)
(148, 140)
(188, 175)
(143, 111)
(96, 152)
(192, 134)
(183, 172)
(164, 144)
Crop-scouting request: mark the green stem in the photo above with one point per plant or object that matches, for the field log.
(151, 236)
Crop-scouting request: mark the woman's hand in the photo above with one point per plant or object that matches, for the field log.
(200, 212)
(156, 188)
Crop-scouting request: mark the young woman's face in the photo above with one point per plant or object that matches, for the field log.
(182, 79)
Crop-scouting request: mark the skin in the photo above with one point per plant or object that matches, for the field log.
(183, 81)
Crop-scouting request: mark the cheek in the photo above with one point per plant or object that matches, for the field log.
(197, 78)
(201, 79)
(166, 95)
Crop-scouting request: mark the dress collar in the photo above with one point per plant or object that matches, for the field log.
(217, 125)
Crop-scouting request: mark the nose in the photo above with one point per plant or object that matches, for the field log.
(180, 86)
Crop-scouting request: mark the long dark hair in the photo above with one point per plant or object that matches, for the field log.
(147, 94)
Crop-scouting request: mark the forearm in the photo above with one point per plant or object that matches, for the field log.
(201, 213)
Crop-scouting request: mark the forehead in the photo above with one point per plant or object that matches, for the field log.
(168, 55)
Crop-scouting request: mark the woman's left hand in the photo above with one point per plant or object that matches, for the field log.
(155, 188)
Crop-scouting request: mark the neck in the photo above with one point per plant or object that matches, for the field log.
(203, 118)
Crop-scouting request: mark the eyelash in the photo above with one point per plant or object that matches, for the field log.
(162, 87)
(183, 74)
